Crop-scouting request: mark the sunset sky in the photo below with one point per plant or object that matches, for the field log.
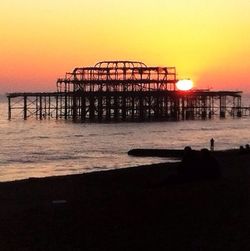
(207, 41)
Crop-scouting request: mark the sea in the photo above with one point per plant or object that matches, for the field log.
(34, 148)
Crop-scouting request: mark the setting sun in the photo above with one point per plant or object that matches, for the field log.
(184, 84)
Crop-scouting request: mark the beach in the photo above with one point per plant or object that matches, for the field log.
(129, 209)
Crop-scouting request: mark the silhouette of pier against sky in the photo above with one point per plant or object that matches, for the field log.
(116, 91)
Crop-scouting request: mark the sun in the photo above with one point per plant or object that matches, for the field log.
(184, 84)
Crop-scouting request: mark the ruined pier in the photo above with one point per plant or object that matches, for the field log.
(115, 91)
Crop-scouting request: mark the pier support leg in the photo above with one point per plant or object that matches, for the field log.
(141, 109)
(9, 108)
(74, 108)
(25, 107)
(66, 107)
(83, 109)
(100, 109)
(133, 108)
(92, 108)
(56, 107)
(222, 106)
(108, 108)
(41, 108)
(123, 108)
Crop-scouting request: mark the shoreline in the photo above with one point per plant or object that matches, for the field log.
(175, 155)
(128, 209)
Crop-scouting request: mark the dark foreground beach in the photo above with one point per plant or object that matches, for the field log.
(140, 208)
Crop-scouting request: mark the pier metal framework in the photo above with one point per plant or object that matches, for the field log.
(118, 76)
(123, 91)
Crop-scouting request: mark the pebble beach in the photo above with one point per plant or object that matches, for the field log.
(133, 208)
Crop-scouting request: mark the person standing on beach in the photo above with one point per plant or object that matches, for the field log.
(212, 144)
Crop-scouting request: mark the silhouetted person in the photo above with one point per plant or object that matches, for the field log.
(212, 144)
(244, 150)
(209, 165)
(197, 165)
(247, 147)
(189, 164)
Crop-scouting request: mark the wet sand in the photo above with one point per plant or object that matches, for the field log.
(129, 209)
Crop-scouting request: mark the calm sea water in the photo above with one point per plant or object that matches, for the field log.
(45, 148)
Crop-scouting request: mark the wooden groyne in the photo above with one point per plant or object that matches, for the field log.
(179, 153)
(142, 152)
(123, 91)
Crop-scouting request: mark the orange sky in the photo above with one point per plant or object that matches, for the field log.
(207, 41)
